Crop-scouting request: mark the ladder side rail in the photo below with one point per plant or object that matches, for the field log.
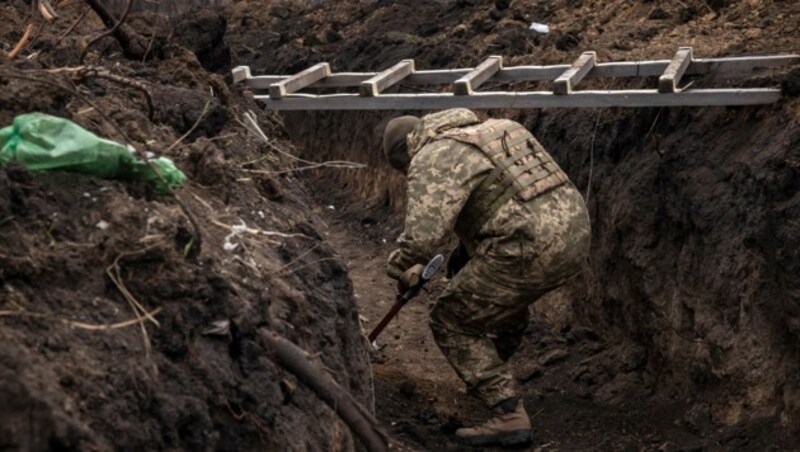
(531, 99)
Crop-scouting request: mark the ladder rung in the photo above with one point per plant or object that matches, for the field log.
(475, 78)
(576, 73)
(299, 81)
(380, 82)
(241, 74)
(668, 82)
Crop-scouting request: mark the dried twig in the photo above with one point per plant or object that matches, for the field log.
(196, 238)
(256, 231)
(290, 263)
(100, 72)
(206, 109)
(38, 32)
(77, 324)
(211, 140)
(591, 156)
(46, 10)
(24, 75)
(263, 432)
(111, 326)
(307, 264)
(127, 82)
(251, 124)
(133, 45)
(74, 25)
(138, 310)
(23, 41)
(149, 46)
(112, 30)
(347, 165)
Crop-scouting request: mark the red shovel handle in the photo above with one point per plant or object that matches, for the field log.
(386, 319)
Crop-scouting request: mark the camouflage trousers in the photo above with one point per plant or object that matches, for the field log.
(479, 320)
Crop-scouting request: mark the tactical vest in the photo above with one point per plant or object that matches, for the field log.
(522, 170)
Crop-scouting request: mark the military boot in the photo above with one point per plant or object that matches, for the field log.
(509, 427)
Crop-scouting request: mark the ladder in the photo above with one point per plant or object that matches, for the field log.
(283, 92)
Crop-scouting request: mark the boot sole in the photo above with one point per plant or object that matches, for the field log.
(518, 438)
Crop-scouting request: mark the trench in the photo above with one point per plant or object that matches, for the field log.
(682, 334)
(612, 360)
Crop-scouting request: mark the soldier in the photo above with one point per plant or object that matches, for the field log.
(523, 229)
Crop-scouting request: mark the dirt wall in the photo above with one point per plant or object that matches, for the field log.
(696, 214)
(81, 368)
(168, 7)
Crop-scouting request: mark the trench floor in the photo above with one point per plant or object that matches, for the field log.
(575, 385)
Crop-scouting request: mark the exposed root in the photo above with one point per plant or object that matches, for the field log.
(81, 72)
(80, 325)
(206, 108)
(296, 259)
(113, 30)
(256, 231)
(22, 42)
(74, 25)
(263, 432)
(113, 272)
(251, 124)
(360, 421)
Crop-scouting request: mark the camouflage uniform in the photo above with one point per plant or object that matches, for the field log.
(524, 250)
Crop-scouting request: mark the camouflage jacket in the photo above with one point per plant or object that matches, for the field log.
(442, 175)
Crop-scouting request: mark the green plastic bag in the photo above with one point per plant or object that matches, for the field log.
(42, 142)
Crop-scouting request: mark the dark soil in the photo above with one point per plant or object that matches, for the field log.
(691, 294)
(683, 334)
(78, 371)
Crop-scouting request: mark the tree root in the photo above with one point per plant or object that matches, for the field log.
(134, 46)
(296, 360)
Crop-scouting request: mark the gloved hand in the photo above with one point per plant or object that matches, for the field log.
(410, 278)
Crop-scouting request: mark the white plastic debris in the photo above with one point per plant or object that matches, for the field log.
(236, 231)
(540, 28)
(331, 207)
(239, 228)
(102, 225)
(384, 241)
(218, 328)
(261, 214)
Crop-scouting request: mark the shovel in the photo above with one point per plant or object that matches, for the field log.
(433, 266)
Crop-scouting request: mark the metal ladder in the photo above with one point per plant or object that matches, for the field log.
(282, 92)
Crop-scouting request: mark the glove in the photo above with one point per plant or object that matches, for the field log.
(410, 278)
